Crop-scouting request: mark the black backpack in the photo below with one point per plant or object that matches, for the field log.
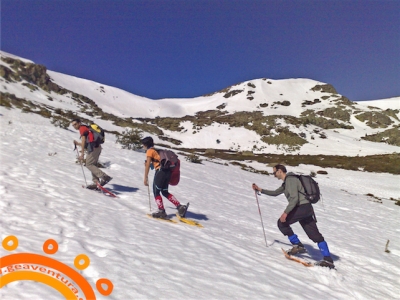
(311, 188)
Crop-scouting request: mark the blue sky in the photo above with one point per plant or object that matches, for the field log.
(182, 48)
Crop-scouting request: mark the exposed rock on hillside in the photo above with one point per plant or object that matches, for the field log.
(35, 76)
(326, 88)
(285, 114)
(375, 119)
(389, 136)
(311, 117)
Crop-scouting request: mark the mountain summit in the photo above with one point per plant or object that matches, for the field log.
(293, 116)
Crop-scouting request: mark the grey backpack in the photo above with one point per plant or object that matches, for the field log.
(311, 188)
(168, 159)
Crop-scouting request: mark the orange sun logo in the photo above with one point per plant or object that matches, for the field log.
(30, 266)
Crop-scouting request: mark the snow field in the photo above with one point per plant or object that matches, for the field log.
(42, 198)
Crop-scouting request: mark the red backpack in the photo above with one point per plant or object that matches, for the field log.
(175, 173)
(169, 160)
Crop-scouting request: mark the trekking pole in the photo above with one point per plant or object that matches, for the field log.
(81, 165)
(148, 191)
(259, 210)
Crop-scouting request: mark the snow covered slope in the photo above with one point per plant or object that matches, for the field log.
(260, 115)
(42, 198)
(390, 103)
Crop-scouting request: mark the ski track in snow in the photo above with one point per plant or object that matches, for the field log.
(42, 198)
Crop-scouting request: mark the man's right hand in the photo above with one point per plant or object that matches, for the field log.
(255, 187)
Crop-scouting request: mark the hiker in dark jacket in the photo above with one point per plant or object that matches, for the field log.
(93, 152)
(299, 209)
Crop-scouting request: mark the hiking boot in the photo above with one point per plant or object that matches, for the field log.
(92, 186)
(105, 179)
(161, 214)
(297, 249)
(182, 209)
(326, 262)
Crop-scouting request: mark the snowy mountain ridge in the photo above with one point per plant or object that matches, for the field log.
(297, 116)
(41, 197)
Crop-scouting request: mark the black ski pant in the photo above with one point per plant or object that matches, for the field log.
(161, 182)
(304, 214)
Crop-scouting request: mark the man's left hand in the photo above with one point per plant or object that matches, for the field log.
(283, 217)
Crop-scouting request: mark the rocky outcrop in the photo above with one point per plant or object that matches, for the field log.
(375, 119)
(289, 132)
(232, 93)
(36, 77)
(325, 88)
(311, 117)
(336, 113)
(389, 136)
(30, 72)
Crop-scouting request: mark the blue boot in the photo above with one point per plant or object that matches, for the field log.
(294, 239)
(323, 247)
(327, 261)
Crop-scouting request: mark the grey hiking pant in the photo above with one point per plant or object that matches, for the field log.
(91, 161)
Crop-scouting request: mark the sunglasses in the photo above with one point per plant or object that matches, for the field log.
(74, 124)
(275, 172)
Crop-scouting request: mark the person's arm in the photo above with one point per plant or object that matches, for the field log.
(84, 133)
(146, 171)
(277, 192)
(82, 144)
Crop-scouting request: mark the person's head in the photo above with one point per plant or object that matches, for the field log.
(147, 142)
(76, 123)
(279, 171)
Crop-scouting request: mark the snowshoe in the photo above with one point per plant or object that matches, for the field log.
(182, 209)
(297, 249)
(161, 214)
(105, 179)
(92, 186)
(326, 262)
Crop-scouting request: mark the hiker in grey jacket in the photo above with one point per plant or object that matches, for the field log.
(299, 209)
